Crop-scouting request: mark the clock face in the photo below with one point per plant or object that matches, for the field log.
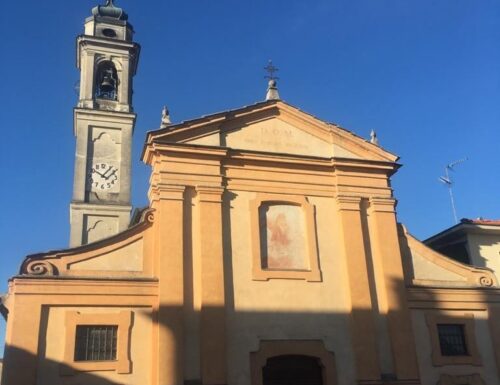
(102, 177)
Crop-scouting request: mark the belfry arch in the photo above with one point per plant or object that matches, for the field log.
(106, 85)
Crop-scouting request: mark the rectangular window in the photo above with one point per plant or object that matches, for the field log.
(452, 339)
(96, 342)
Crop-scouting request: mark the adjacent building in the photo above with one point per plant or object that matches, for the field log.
(270, 253)
(472, 241)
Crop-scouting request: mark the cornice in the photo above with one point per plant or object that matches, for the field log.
(84, 40)
(228, 154)
(91, 113)
(446, 296)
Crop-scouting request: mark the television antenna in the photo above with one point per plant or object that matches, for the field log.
(446, 179)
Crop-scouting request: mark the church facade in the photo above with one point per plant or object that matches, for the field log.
(270, 253)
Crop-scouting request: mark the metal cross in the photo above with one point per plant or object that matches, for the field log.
(271, 69)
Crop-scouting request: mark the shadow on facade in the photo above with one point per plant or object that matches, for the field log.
(370, 357)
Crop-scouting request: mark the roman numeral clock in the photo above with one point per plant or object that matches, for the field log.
(103, 125)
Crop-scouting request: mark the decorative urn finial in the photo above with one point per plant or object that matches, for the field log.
(373, 137)
(165, 117)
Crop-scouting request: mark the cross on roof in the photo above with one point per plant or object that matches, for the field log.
(271, 69)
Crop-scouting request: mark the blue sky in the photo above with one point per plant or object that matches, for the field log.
(424, 74)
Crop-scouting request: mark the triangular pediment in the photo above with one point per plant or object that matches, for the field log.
(272, 127)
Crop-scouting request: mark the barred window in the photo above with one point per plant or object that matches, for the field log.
(96, 342)
(452, 339)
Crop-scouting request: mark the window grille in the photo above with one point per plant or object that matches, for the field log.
(96, 342)
(452, 340)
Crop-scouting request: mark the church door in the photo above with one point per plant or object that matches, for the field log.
(292, 370)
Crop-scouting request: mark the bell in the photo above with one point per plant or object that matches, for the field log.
(107, 84)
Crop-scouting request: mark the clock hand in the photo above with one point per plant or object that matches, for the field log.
(110, 175)
(110, 168)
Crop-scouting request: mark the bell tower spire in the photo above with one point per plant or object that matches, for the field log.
(104, 122)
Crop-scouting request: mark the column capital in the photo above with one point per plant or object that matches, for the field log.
(210, 193)
(170, 191)
(348, 203)
(383, 204)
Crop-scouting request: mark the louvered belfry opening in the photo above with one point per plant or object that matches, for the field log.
(292, 370)
(96, 342)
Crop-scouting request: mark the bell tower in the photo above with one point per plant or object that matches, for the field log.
(103, 125)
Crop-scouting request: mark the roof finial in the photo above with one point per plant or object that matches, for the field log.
(165, 117)
(272, 89)
(373, 138)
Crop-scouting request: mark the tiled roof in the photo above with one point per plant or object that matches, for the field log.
(481, 221)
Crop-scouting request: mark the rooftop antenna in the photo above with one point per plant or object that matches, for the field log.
(446, 179)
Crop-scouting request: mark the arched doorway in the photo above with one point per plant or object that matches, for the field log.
(292, 370)
(293, 362)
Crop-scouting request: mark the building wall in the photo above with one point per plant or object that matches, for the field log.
(202, 306)
(485, 250)
(52, 347)
(430, 372)
(287, 309)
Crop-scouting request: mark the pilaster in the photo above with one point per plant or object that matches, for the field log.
(86, 99)
(213, 329)
(169, 256)
(21, 346)
(362, 322)
(494, 321)
(391, 290)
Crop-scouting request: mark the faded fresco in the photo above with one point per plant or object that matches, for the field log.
(282, 234)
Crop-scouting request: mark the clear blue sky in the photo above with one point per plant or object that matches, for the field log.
(424, 74)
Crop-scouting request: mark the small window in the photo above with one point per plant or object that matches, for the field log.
(452, 339)
(96, 342)
(108, 32)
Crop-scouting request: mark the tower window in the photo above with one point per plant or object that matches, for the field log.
(452, 339)
(107, 81)
(108, 32)
(96, 342)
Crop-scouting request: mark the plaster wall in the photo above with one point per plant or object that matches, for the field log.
(485, 251)
(278, 136)
(106, 138)
(286, 309)
(127, 258)
(426, 270)
(52, 345)
(431, 373)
